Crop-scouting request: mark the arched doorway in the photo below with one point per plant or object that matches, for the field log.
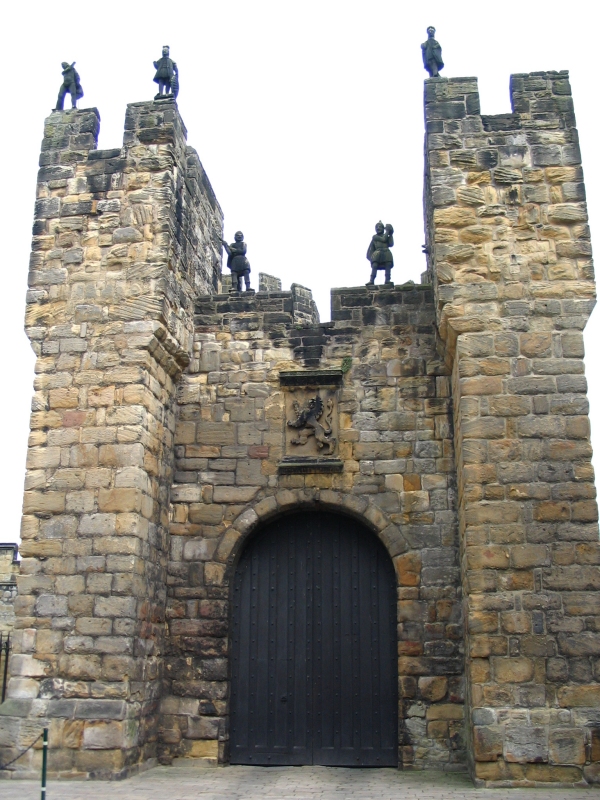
(314, 646)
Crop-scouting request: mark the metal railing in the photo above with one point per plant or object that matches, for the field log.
(4, 654)
(44, 737)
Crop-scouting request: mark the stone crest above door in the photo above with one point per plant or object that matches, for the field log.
(311, 421)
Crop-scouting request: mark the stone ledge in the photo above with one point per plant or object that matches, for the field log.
(311, 377)
(303, 467)
(393, 287)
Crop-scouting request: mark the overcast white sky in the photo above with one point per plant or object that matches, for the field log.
(307, 117)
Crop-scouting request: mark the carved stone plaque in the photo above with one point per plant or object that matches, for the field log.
(311, 422)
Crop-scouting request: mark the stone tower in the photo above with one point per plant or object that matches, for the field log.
(181, 438)
(510, 260)
(123, 242)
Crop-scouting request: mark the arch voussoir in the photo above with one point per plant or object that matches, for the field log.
(285, 500)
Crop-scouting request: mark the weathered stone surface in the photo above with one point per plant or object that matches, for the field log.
(103, 736)
(523, 744)
(502, 315)
(454, 426)
(488, 742)
(95, 523)
(567, 746)
(9, 570)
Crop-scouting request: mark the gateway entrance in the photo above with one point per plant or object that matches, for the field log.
(314, 654)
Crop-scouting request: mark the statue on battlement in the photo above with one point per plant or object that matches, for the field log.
(70, 85)
(432, 54)
(379, 253)
(167, 75)
(237, 262)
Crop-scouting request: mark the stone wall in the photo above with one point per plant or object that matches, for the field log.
(159, 442)
(233, 472)
(268, 283)
(123, 242)
(9, 569)
(510, 257)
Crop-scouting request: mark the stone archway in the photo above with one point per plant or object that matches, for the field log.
(314, 653)
(196, 709)
(288, 500)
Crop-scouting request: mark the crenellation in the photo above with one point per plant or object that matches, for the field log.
(115, 272)
(175, 421)
(511, 265)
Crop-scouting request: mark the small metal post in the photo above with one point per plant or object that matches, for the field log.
(44, 762)
(5, 676)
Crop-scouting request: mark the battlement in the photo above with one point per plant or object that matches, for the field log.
(486, 176)
(268, 308)
(154, 185)
(172, 421)
(510, 259)
(538, 99)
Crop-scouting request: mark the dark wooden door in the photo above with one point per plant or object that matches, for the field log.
(314, 654)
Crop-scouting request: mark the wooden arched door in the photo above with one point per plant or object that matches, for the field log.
(314, 646)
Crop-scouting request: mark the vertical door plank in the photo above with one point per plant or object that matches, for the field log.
(314, 675)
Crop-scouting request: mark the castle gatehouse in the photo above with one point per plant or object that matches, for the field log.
(252, 537)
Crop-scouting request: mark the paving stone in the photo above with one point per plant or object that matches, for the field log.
(190, 780)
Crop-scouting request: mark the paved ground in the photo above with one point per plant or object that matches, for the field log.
(184, 781)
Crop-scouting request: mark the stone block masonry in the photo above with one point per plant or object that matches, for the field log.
(395, 448)
(123, 242)
(510, 259)
(452, 422)
(268, 283)
(9, 569)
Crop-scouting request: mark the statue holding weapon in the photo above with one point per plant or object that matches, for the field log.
(379, 253)
(237, 262)
(70, 85)
(167, 75)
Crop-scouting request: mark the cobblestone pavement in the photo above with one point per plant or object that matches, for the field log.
(189, 782)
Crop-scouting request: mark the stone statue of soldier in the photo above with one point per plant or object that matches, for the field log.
(432, 54)
(70, 85)
(379, 253)
(237, 262)
(167, 75)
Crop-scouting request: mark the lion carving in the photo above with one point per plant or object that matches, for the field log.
(308, 423)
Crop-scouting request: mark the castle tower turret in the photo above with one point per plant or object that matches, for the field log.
(123, 241)
(510, 259)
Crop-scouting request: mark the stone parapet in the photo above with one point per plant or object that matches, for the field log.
(264, 309)
(510, 260)
(268, 283)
